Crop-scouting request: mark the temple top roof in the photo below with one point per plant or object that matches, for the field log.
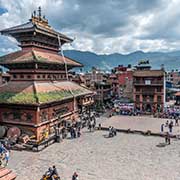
(40, 44)
(35, 27)
(37, 33)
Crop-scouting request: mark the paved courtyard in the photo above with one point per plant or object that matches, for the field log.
(95, 157)
(142, 123)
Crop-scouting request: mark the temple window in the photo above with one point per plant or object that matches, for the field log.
(159, 98)
(158, 89)
(14, 76)
(21, 76)
(29, 76)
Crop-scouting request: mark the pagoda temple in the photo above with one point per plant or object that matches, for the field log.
(39, 94)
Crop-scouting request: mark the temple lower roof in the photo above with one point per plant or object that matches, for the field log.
(35, 92)
(35, 56)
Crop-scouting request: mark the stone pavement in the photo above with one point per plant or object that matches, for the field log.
(141, 123)
(95, 157)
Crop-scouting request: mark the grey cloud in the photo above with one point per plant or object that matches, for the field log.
(101, 17)
(104, 25)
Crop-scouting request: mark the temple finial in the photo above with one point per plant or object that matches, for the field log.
(34, 13)
(39, 10)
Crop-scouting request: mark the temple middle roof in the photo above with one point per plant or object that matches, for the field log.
(36, 57)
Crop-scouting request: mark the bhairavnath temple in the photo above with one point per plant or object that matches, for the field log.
(39, 94)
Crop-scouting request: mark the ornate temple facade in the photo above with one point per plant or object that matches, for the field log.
(39, 94)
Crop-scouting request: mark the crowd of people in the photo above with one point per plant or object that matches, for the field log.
(169, 112)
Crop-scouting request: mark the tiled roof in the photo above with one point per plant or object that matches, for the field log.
(19, 27)
(148, 73)
(34, 27)
(6, 174)
(25, 92)
(36, 56)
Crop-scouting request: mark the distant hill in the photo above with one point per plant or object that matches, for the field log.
(171, 60)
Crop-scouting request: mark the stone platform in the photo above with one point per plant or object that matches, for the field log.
(139, 124)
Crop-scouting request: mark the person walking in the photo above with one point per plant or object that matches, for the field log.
(162, 128)
(176, 121)
(170, 126)
(167, 123)
(167, 138)
(75, 176)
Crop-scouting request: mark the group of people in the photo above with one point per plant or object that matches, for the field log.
(75, 132)
(91, 123)
(169, 112)
(112, 131)
(52, 174)
(169, 125)
(4, 155)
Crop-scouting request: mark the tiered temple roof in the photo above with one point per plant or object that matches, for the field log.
(36, 56)
(38, 70)
(36, 93)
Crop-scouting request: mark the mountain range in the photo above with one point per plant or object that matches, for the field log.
(170, 60)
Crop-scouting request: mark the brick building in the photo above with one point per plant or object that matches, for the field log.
(174, 78)
(123, 73)
(124, 77)
(148, 88)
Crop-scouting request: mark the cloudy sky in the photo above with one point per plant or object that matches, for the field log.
(102, 26)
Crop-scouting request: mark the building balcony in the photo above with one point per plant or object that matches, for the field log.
(148, 93)
(150, 102)
(150, 83)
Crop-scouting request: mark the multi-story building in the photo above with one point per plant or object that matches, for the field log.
(124, 77)
(148, 88)
(174, 78)
(94, 76)
(113, 81)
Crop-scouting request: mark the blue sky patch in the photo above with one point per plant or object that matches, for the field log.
(3, 10)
